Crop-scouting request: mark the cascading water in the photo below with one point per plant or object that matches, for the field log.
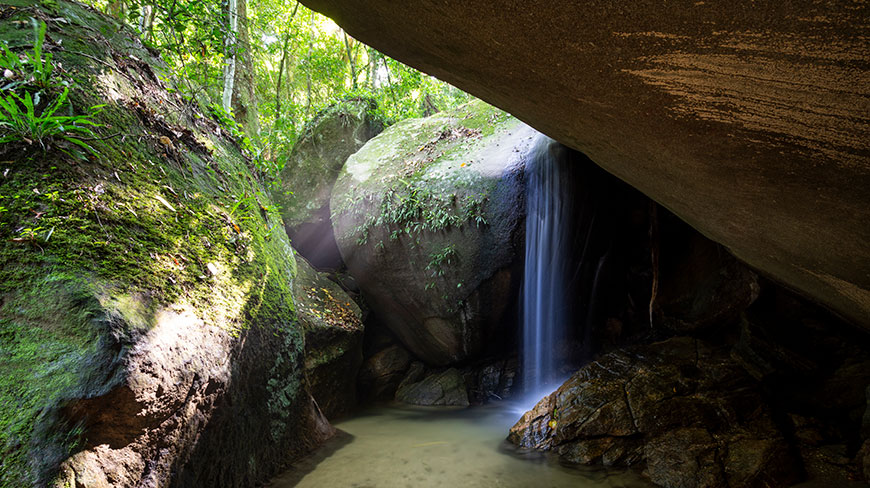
(546, 313)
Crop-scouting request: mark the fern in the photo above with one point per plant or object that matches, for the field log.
(20, 122)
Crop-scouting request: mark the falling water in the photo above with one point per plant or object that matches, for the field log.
(545, 311)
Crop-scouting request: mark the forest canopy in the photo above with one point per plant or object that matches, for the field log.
(271, 65)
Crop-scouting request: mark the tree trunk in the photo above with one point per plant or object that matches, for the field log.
(244, 101)
(308, 71)
(230, 53)
(281, 64)
(146, 22)
(117, 8)
(372, 69)
(350, 62)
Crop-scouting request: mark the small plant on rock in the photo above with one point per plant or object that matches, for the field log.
(20, 122)
(28, 111)
(36, 69)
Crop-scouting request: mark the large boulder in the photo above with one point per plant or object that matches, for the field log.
(147, 332)
(747, 119)
(427, 217)
(382, 373)
(446, 388)
(312, 168)
(685, 409)
(333, 329)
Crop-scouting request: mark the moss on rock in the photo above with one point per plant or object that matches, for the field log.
(426, 216)
(102, 255)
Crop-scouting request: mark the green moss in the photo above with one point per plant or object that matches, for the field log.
(44, 349)
(431, 188)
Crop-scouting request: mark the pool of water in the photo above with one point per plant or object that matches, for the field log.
(413, 447)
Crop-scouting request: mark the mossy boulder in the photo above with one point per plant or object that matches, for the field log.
(427, 218)
(333, 328)
(147, 329)
(312, 168)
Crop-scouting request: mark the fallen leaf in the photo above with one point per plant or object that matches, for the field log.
(164, 202)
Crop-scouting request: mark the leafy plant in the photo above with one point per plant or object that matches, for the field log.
(20, 122)
(21, 116)
(438, 259)
(37, 68)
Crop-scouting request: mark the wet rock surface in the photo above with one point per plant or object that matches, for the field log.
(681, 406)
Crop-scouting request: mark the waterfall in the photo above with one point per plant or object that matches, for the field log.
(546, 312)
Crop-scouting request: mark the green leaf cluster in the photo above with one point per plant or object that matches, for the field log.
(292, 61)
(29, 113)
(19, 121)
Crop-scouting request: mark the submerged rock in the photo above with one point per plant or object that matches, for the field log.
(426, 216)
(682, 407)
(311, 170)
(333, 331)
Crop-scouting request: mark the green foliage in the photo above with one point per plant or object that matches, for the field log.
(438, 261)
(439, 258)
(20, 122)
(36, 69)
(411, 207)
(23, 118)
(300, 63)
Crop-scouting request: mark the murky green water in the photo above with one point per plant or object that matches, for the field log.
(405, 447)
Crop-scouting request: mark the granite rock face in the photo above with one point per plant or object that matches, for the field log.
(427, 216)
